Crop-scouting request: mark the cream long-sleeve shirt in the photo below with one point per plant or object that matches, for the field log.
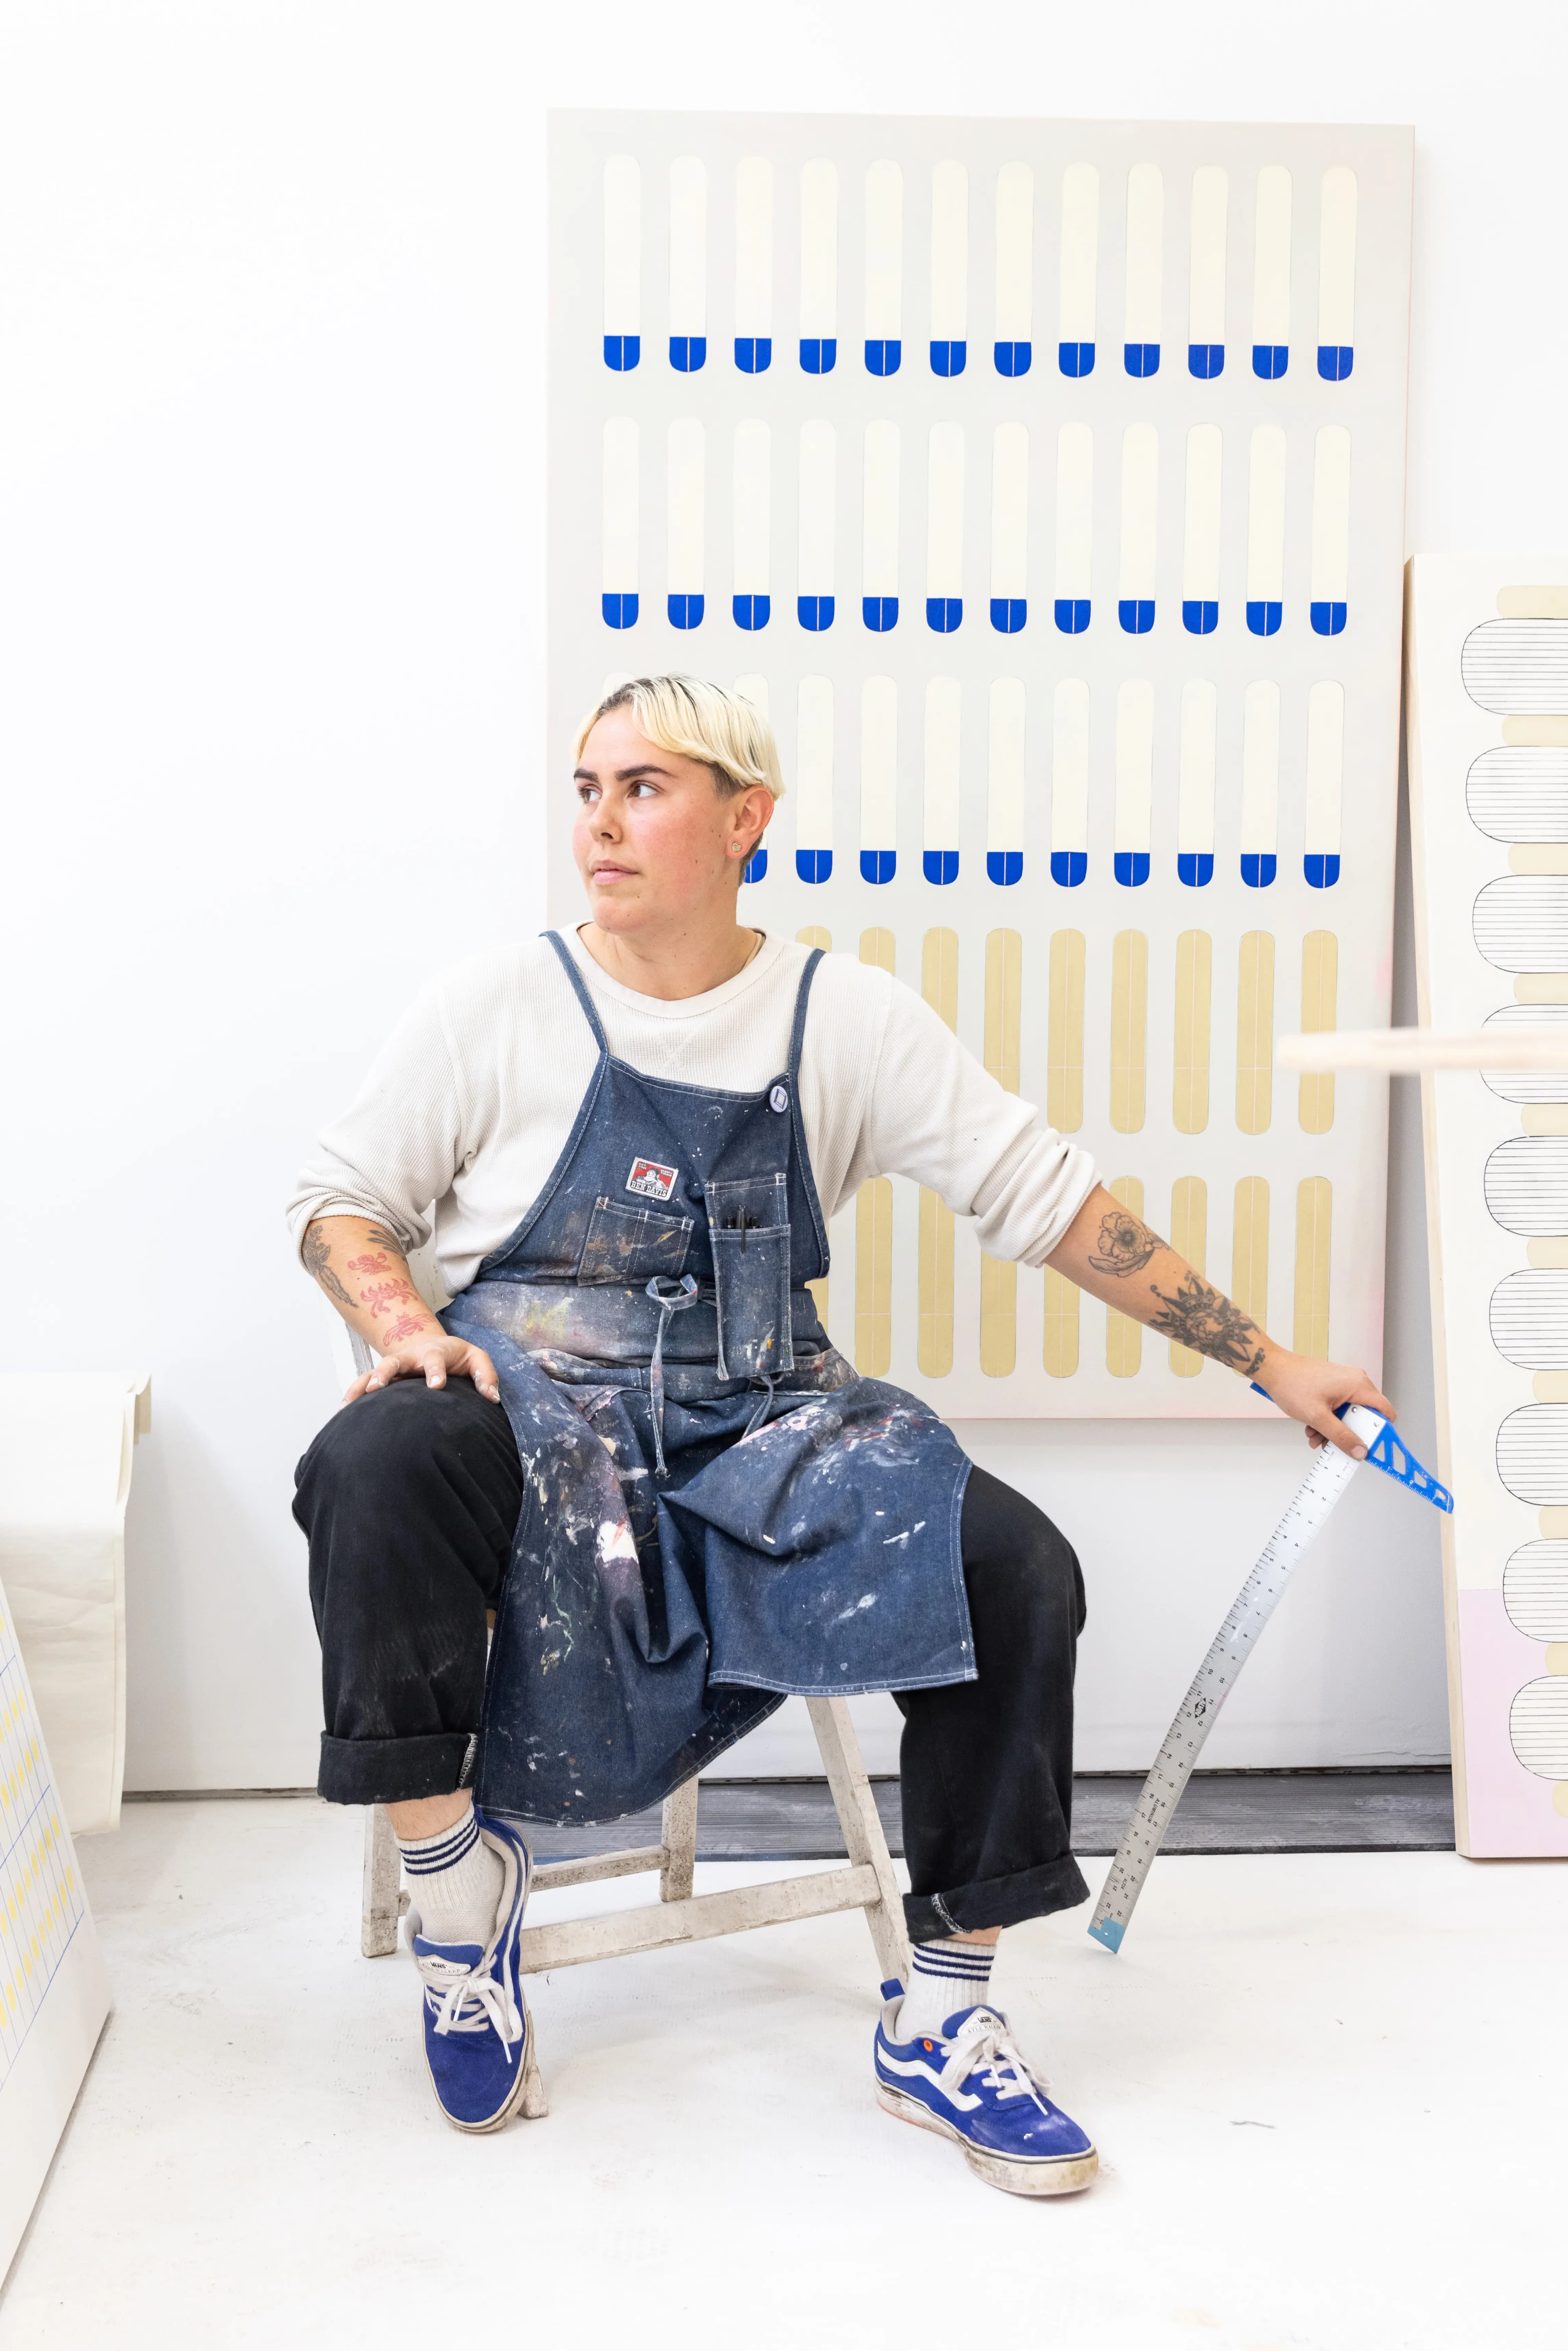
(468, 1107)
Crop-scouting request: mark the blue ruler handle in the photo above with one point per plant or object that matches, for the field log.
(1393, 1456)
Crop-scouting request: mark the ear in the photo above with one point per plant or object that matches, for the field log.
(753, 815)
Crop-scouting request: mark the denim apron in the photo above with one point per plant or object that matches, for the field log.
(716, 1509)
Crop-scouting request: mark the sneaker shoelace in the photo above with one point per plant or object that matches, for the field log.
(469, 2000)
(991, 2054)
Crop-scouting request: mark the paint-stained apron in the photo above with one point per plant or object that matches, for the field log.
(716, 1509)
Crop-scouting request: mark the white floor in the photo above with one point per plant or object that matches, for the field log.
(1331, 2096)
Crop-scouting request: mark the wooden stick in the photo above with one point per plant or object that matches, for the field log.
(680, 1833)
(1505, 1046)
(573, 1941)
(861, 1825)
(379, 1886)
(629, 1862)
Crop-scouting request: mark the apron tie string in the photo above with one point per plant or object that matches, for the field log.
(670, 1300)
(764, 1412)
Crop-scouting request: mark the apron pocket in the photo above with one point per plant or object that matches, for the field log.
(633, 1244)
(748, 1226)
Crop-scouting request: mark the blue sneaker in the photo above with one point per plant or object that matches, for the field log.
(972, 2085)
(478, 2032)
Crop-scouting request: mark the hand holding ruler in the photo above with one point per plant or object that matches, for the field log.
(1326, 1480)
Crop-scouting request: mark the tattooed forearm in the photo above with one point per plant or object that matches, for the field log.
(1200, 1318)
(1126, 1244)
(316, 1255)
(361, 1269)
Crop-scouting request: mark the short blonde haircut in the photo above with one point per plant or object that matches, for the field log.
(694, 720)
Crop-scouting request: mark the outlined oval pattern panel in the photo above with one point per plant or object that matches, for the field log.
(1487, 650)
(1529, 1318)
(1533, 1455)
(1519, 668)
(1538, 1726)
(1526, 1185)
(1535, 1589)
(1519, 791)
(1521, 922)
(1528, 1086)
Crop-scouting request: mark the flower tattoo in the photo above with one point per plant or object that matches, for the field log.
(1126, 1244)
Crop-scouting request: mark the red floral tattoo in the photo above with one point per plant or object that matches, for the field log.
(407, 1326)
(380, 1295)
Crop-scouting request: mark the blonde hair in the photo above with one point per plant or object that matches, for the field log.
(697, 721)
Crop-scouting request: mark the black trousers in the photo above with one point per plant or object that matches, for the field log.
(409, 1498)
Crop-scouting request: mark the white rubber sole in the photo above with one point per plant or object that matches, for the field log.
(1064, 2176)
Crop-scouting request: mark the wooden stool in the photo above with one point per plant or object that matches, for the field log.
(867, 1883)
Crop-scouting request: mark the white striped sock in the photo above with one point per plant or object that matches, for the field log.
(946, 1977)
(455, 1882)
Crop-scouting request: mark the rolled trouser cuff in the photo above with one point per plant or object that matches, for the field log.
(395, 1771)
(996, 1901)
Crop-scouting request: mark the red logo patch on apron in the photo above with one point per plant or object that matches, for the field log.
(652, 1181)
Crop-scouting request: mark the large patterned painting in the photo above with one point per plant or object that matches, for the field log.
(1044, 482)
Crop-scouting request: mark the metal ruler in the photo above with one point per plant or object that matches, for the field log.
(1330, 1474)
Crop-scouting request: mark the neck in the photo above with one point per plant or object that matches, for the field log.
(672, 965)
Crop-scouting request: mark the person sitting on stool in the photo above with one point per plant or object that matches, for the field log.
(631, 1439)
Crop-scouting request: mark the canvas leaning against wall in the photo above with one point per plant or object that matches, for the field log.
(1044, 482)
(54, 1991)
(1488, 704)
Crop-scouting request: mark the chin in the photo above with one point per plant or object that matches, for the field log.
(612, 912)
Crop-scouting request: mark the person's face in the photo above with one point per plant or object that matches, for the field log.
(655, 841)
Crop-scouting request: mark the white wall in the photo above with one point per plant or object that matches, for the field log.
(270, 400)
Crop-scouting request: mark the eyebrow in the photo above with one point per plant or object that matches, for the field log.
(622, 775)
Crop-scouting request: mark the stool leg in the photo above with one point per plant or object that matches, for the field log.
(861, 1825)
(379, 1900)
(680, 1840)
(536, 2102)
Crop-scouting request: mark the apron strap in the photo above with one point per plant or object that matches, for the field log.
(797, 1033)
(669, 1295)
(580, 990)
